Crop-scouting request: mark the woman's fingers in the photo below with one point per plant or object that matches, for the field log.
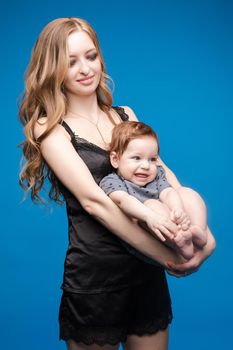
(187, 267)
(176, 274)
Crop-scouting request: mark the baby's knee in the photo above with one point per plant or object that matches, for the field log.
(191, 198)
(187, 192)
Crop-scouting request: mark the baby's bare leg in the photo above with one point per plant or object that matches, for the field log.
(196, 209)
(157, 206)
(182, 241)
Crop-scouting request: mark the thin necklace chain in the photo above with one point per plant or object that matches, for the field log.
(94, 123)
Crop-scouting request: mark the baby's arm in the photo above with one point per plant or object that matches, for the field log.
(171, 198)
(131, 206)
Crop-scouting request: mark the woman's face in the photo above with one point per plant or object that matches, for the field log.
(83, 76)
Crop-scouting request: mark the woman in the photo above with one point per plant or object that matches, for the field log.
(109, 296)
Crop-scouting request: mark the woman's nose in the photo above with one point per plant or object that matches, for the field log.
(84, 68)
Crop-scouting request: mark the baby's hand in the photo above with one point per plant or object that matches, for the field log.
(161, 225)
(180, 218)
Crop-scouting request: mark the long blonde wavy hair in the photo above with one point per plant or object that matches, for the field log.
(45, 96)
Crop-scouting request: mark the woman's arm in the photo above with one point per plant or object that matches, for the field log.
(171, 177)
(62, 158)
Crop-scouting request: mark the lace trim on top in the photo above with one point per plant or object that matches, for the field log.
(90, 146)
(75, 139)
(110, 335)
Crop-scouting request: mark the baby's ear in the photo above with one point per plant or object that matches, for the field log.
(114, 159)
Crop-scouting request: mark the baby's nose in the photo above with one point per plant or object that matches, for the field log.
(145, 164)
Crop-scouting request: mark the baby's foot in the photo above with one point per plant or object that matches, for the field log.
(180, 218)
(183, 241)
(199, 236)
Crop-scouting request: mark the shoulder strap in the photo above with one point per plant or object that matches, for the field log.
(68, 129)
(120, 110)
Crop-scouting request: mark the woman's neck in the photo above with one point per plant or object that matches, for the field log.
(83, 105)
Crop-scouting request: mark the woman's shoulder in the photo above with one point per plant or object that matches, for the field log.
(42, 125)
(128, 110)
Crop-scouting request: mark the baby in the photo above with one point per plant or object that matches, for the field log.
(140, 188)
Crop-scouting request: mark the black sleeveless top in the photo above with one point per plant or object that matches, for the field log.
(96, 261)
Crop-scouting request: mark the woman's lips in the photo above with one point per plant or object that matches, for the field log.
(86, 81)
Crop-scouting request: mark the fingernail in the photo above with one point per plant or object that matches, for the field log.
(170, 265)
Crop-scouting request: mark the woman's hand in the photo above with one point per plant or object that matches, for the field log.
(187, 267)
(192, 265)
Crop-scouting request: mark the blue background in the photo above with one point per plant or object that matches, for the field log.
(172, 63)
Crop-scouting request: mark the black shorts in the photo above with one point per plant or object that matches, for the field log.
(108, 317)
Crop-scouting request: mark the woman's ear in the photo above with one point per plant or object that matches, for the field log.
(114, 159)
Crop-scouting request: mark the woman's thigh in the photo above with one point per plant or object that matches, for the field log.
(157, 341)
(72, 345)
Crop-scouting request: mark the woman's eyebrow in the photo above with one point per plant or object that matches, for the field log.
(88, 51)
(91, 50)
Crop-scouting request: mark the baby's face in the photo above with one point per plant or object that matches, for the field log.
(138, 162)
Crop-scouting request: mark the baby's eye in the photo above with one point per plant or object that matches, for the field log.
(93, 56)
(136, 157)
(153, 159)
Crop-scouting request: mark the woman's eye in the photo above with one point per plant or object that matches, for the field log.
(93, 56)
(72, 63)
